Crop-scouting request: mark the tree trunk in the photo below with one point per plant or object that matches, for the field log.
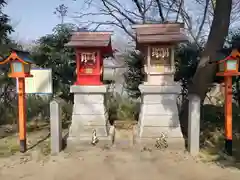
(205, 71)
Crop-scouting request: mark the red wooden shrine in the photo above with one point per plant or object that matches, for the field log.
(91, 48)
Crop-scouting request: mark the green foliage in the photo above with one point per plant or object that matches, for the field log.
(8, 147)
(213, 128)
(133, 76)
(187, 58)
(7, 85)
(233, 41)
(120, 108)
(51, 53)
(127, 110)
(5, 27)
(66, 115)
(186, 61)
(8, 109)
(188, 55)
(37, 107)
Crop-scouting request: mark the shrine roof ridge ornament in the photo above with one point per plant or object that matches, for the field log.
(90, 39)
(160, 33)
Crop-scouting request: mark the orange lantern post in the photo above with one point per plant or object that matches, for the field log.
(20, 65)
(228, 68)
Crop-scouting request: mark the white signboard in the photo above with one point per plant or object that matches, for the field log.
(40, 83)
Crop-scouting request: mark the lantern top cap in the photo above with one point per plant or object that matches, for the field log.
(160, 33)
(221, 57)
(90, 39)
(17, 55)
(220, 61)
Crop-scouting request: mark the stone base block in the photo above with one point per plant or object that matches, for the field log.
(156, 131)
(159, 120)
(159, 115)
(89, 114)
(86, 131)
(90, 119)
(89, 109)
(174, 143)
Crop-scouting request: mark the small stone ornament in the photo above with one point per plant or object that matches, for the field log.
(161, 142)
(94, 137)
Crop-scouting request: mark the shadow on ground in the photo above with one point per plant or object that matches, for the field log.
(38, 138)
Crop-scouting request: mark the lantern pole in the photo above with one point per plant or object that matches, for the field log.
(228, 114)
(22, 114)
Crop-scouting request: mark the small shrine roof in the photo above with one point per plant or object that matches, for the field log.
(90, 39)
(16, 54)
(160, 33)
(226, 54)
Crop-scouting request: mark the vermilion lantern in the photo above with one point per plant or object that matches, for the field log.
(20, 64)
(228, 67)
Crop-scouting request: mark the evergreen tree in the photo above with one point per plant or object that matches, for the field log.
(134, 75)
(51, 53)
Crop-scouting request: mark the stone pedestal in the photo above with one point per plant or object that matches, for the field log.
(89, 113)
(159, 114)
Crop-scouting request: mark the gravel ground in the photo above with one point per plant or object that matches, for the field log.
(112, 164)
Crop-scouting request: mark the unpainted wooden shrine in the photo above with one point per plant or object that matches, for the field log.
(157, 43)
(159, 113)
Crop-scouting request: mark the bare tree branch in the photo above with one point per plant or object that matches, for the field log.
(203, 20)
(138, 6)
(79, 16)
(109, 4)
(179, 9)
(160, 10)
(170, 9)
(120, 21)
(143, 11)
(147, 8)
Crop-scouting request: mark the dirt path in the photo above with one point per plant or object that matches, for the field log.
(112, 164)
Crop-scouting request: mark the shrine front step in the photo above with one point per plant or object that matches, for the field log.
(123, 138)
(83, 131)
